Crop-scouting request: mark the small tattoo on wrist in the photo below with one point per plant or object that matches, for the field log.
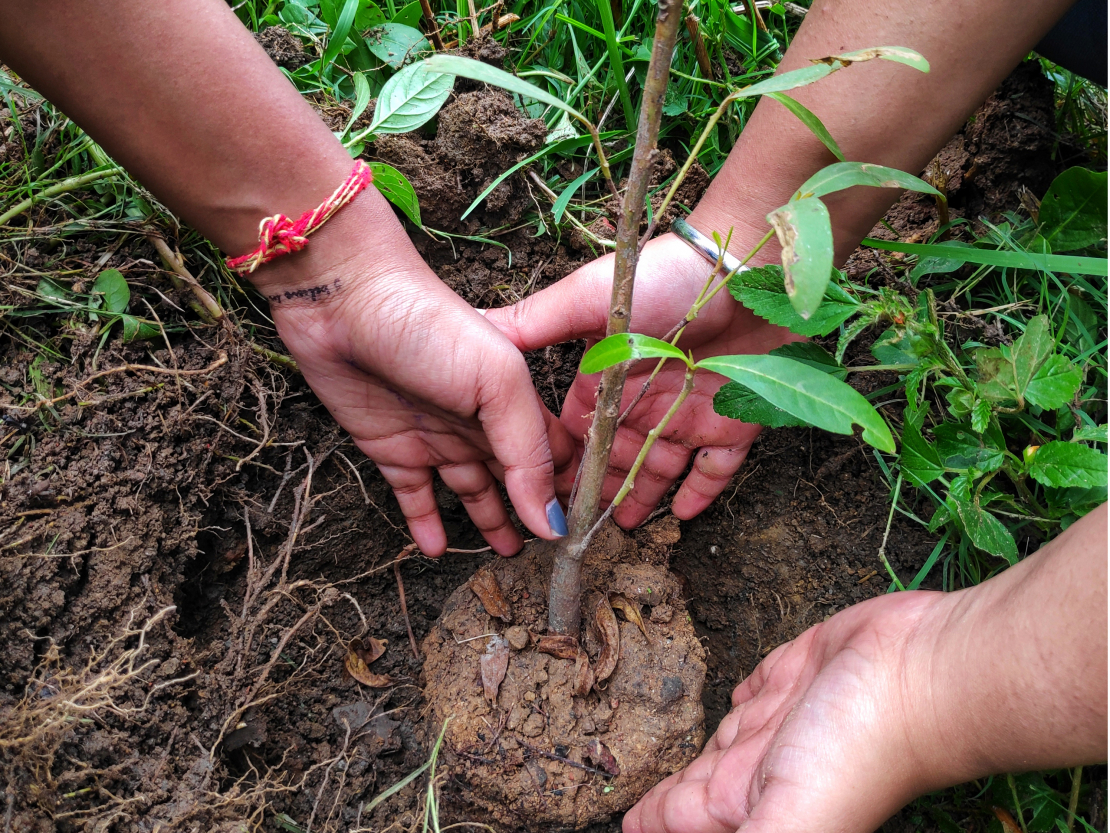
(311, 293)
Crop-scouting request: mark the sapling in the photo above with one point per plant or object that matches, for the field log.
(804, 232)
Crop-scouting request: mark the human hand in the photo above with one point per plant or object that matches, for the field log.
(831, 733)
(419, 379)
(669, 276)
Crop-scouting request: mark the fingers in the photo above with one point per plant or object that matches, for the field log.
(713, 470)
(413, 488)
(477, 489)
(662, 466)
(575, 307)
(512, 417)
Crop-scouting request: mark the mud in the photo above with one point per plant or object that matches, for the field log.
(548, 750)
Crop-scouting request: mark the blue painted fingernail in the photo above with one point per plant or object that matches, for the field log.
(556, 519)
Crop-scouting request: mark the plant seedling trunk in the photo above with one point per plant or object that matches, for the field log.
(564, 596)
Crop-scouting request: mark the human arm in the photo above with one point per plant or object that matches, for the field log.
(905, 694)
(878, 112)
(181, 95)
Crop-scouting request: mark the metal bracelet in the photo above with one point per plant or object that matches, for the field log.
(706, 246)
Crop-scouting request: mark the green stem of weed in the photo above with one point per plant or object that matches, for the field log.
(886, 535)
(66, 185)
(1073, 802)
(1017, 803)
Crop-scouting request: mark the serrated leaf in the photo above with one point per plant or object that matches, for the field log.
(1030, 351)
(1068, 465)
(984, 529)
(807, 393)
(396, 44)
(806, 117)
(397, 189)
(624, 347)
(841, 175)
(408, 100)
(111, 284)
(763, 291)
(1055, 384)
(1073, 211)
(814, 355)
(960, 449)
(737, 401)
(980, 415)
(1090, 434)
(920, 460)
(478, 71)
(805, 235)
(900, 346)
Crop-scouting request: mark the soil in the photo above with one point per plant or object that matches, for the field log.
(189, 545)
(552, 747)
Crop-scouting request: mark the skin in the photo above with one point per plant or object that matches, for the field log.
(181, 95)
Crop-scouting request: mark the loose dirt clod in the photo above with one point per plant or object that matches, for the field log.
(567, 755)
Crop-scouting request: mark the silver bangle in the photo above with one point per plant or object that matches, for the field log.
(706, 247)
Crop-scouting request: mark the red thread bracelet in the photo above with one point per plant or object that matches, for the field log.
(279, 235)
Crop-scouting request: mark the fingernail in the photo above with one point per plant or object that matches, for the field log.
(555, 518)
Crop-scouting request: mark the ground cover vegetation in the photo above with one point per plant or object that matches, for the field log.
(987, 413)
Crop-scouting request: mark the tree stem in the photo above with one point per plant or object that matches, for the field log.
(564, 596)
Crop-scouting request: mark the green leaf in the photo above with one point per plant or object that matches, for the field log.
(763, 291)
(478, 71)
(134, 329)
(995, 374)
(920, 460)
(814, 355)
(370, 14)
(1013, 260)
(1069, 465)
(395, 43)
(564, 198)
(841, 175)
(397, 189)
(1055, 384)
(901, 346)
(805, 234)
(624, 347)
(116, 292)
(980, 415)
(810, 120)
(408, 100)
(339, 33)
(984, 529)
(1089, 434)
(1073, 211)
(410, 15)
(362, 100)
(807, 393)
(960, 449)
(737, 401)
(1030, 351)
(826, 66)
(48, 288)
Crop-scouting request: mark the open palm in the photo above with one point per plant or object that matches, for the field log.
(669, 276)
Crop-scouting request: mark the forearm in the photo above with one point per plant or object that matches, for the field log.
(1014, 675)
(180, 94)
(878, 112)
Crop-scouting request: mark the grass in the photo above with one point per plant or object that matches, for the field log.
(592, 55)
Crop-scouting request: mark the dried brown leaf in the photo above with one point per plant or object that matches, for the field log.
(601, 757)
(488, 590)
(583, 675)
(357, 669)
(609, 632)
(558, 645)
(368, 649)
(1006, 820)
(631, 611)
(494, 663)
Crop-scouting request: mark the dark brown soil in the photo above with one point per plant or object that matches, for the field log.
(226, 493)
(542, 753)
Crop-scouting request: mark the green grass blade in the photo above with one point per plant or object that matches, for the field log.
(810, 120)
(564, 198)
(1013, 260)
(613, 47)
(339, 36)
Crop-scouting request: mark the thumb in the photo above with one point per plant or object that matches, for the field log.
(575, 307)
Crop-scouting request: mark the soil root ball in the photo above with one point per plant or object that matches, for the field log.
(543, 754)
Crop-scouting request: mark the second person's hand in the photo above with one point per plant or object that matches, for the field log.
(669, 276)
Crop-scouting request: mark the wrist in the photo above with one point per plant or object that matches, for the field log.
(361, 244)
